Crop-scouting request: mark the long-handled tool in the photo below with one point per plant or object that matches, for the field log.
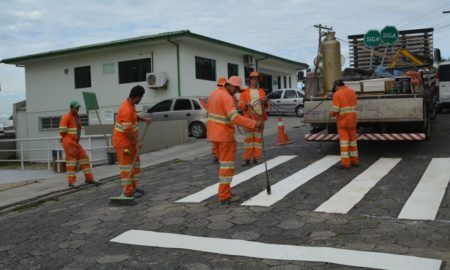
(268, 187)
(129, 200)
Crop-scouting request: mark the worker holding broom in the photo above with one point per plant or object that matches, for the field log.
(125, 141)
(222, 116)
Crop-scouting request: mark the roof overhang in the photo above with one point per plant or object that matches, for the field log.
(178, 35)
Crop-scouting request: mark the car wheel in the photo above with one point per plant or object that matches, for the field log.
(300, 110)
(197, 130)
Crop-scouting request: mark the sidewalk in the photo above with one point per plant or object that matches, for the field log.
(56, 185)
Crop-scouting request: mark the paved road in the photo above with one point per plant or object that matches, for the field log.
(75, 232)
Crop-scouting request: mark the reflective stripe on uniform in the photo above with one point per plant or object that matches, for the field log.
(344, 143)
(226, 165)
(353, 143)
(335, 108)
(232, 114)
(219, 119)
(353, 153)
(345, 155)
(345, 110)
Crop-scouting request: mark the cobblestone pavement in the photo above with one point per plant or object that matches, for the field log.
(75, 232)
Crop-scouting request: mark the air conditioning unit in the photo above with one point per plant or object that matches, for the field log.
(157, 80)
(249, 60)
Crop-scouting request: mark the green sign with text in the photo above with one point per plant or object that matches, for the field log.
(389, 35)
(372, 38)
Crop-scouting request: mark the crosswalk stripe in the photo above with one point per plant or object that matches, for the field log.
(252, 249)
(426, 198)
(237, 179)
(287, 185)
(354, 191)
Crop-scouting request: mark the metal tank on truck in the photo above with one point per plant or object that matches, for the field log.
(331, 52)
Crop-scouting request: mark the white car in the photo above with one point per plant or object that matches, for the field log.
(284, 101)
(443, 75)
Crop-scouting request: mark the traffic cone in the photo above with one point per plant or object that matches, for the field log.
(282, 136)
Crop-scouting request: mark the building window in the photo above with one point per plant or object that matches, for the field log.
(290, 83)
(52, 122)
(279, 82)
(134, 70)
(233, 70)
(205, 69)
(284, 79)
(247, 71)
(82, 77)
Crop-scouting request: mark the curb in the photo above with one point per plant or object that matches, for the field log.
(55, 195)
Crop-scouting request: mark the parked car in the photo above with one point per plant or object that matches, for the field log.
(192, 109)
(443, 87)
(285, 101)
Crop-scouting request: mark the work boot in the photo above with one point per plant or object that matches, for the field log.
(93, 182)
(137, 195)
(355, 165)
(72, 186)
(231, 200)
(245, 163)
(138, 190)
(342, 167)
(255, 161)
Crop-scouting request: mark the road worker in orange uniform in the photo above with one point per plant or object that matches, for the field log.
(125, 141)
(70, 131)
(220, 83)
(222, 116)
(253, 104)
(344, 108)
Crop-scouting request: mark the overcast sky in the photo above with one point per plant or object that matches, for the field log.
(284, 28)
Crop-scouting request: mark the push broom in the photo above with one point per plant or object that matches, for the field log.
(128, 200)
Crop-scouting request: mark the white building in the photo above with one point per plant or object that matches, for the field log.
(192, 62)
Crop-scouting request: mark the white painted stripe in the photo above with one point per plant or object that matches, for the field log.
(237, 179)
(235, 247)
(287, 185)
(354, 191)
(426, 198)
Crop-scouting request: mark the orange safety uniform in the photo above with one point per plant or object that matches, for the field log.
(70, 131)
(250, 104)
(222, 115)
(125, 141)
(344, 108)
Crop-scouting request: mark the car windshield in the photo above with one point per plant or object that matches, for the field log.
(275, 95)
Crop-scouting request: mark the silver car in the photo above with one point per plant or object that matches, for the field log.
(192, 109)
(285, 101)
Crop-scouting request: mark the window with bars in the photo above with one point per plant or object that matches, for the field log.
(205, 69)
(134, 70)
(52, 122)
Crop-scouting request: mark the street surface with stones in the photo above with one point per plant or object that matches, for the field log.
(316, 205)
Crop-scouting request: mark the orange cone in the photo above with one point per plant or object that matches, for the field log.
(282, 136)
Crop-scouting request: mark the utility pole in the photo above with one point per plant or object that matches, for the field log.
(320, 28)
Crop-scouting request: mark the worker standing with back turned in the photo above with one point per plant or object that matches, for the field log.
(220, 83)
(70, 131)
(344, 108)
(125, 140)
(222, 116)
(253, 104)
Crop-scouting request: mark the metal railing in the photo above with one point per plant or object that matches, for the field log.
(52, 145)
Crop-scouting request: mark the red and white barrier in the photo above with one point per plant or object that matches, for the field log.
(369, 137)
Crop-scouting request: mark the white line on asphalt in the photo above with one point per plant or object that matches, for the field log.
(426, 198)
(354, 191)
(252, 249)
(287, 185)
(237, 179)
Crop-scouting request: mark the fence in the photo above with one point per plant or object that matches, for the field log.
(49, 150)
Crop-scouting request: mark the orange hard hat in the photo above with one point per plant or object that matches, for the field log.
(221, 81)
(236, 81)
(255, 74)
